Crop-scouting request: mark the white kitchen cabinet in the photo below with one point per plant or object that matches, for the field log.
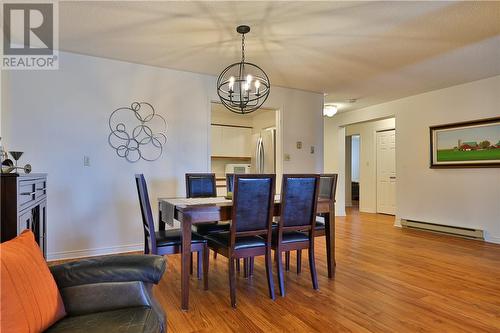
(231, 141)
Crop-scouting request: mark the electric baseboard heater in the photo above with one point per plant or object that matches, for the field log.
(444, 229)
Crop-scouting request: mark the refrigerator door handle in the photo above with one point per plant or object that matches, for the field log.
(259, 156)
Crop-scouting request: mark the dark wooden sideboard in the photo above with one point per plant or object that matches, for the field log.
(24, 206)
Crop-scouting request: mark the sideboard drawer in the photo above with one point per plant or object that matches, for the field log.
(27, 193)
(25, 221)
(40, 188)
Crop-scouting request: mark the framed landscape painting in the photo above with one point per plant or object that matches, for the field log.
(468, 144)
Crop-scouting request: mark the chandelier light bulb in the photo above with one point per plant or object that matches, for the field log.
(257, 86)
(231, 83)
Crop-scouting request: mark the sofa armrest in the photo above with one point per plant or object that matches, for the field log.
(122, 268)
(100, 297)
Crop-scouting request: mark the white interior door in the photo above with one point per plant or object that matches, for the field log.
(386, 172)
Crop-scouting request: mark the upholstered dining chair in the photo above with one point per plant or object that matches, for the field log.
(327, 190)
(251, 226)
(200, 185)
(229, 182)
(299, 197)
(203, 185)
(164, 242)
(247, 266)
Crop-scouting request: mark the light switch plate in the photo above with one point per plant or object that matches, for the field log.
(312, 149)
(86, 161)
(299, 144)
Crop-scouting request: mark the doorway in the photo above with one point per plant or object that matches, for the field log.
(386, 172)
(352, 149)
(243, 143)
(355, 140)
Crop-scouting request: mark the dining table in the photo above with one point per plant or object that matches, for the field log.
(191, 211)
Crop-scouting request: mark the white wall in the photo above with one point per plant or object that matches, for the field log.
(459, 197)
(367, 132)
(262, 120)
(220, 115)
(57, 117)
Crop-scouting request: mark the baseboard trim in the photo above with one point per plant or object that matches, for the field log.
(397, 222)
(340, 212)
(63, 255)
(491, 239)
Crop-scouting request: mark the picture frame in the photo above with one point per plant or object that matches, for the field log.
(470, 144)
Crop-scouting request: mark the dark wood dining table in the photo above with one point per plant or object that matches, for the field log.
(208, 210)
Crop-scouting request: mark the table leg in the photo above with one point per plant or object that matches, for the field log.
(185, 262)
(330, 241)
(161, 224)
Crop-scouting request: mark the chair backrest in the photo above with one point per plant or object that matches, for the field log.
(299, 197)
(328, 186)
(229, 182)
(200, 185)
(253, 204)
(148, 224)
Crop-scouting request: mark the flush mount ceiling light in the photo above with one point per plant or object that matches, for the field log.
(329, 110)
(243, 87)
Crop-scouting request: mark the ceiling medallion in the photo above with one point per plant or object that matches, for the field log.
(243, 87)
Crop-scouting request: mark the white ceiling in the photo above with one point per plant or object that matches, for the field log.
(372, 51)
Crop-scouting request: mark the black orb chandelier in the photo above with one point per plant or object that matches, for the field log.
(243, 87)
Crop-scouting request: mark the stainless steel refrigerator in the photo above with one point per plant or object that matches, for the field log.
(264, 159)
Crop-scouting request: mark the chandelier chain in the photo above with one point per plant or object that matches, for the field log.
(243, 48)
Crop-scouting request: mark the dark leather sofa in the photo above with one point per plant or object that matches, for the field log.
(110, 295)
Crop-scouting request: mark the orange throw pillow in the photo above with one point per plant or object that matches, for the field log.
(29, 299)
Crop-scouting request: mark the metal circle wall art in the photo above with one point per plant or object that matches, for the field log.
(137, 132)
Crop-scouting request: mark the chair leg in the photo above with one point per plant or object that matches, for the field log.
(279, 266)
(215, 254)
(245, 267)
(251, 265)
(199, 267)
(269, 272)
(232, 282)
(238, 265)
(287, 261)
(299, 261)
(312, 266)
(191, 265)
(146, 245)
(206, 259)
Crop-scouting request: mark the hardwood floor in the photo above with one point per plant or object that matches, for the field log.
(387, 280)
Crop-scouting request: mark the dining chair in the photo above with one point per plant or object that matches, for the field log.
(247, 263)
(251, 226)
(203, 185)
(327, 190)
(229, 182)
(200, 185)
(299, 197)
(164, 242)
